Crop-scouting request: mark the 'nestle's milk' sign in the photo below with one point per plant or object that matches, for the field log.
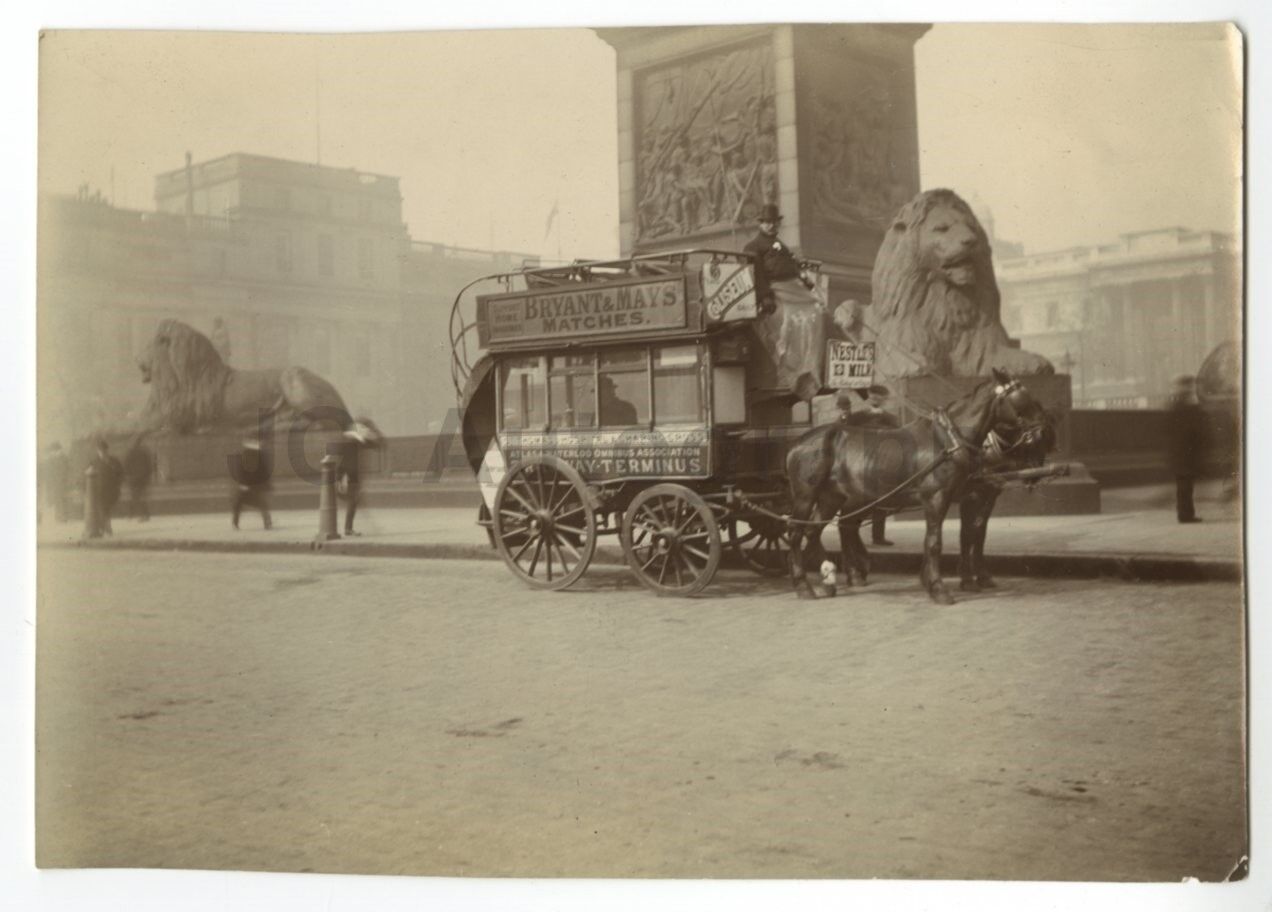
(849, 365)
(588, 310)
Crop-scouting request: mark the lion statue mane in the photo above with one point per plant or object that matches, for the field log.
(935, 299)
(192, 390)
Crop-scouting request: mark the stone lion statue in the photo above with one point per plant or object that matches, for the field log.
(936, 302)
(193, 390)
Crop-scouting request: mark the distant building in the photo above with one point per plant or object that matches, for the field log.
(1125, 318)
(279, 262)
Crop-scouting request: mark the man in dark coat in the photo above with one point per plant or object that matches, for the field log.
(876, 415)
(139, 469)
(774, 261)
(109, 474)
(1185, 445)
(251, 474)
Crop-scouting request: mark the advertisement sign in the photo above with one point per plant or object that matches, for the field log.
(601, 454)
(728, 292)
(849, 365)
(587, 310)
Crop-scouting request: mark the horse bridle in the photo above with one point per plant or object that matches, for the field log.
(998, 447)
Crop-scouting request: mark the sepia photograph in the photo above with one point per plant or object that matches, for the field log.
(717, 451)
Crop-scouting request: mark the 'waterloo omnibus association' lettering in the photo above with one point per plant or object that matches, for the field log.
(615, 309)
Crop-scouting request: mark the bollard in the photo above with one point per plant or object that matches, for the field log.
(328, 508)
(92, 504)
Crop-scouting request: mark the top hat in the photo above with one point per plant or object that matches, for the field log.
(879, 390)
(769, 213)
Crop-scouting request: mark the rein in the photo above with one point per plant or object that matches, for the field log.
(940, 417)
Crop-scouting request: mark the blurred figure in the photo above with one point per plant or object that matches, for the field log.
(844, 403)
(54, 474)
(362, 435)
(876, 415)
(252, 481)
(1185, 445)
(139, 470)
(109, 476)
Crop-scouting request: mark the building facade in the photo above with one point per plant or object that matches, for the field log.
(279, 262)
(1126, 318)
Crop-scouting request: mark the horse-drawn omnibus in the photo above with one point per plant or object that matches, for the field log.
(635, 398)
(651, 398)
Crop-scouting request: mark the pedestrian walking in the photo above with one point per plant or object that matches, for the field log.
(1186, 441)
(139, 470)
(109, 474)
(361, 435)
(876, 415)
(251, 474)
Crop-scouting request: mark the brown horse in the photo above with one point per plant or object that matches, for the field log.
(842, 469)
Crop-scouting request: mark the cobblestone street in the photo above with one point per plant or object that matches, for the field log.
(363, 715)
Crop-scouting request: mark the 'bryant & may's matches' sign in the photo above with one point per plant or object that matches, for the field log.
(590, 310)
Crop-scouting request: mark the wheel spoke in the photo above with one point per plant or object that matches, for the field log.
(527, 504)
(663, 572)
(702, 554)
(534, 561)
(693, 514)
(522, 550)
(679, 580)
(538, 483)
(743, 539)
(697, 536)
(565, 543)
(577, 530)
(653, 556)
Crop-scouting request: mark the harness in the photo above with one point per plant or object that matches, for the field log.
(994, 449)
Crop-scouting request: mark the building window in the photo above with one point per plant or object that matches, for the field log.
(322, 355)
(283, 252)
(365, 259)
(326, 255)
(361, 354)
(1011, 318)
(572, 391)
(522, 393)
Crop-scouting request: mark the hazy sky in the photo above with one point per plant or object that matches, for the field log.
(1069, 134)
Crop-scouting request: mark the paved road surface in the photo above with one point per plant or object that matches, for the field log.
(434, 717)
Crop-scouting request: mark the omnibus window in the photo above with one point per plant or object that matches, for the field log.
(523, 394)
(677, 385)
(572, 391)
(624, 389)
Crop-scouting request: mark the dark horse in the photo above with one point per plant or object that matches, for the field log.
(839, 468)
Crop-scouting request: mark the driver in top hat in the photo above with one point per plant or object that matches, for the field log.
(774, 261)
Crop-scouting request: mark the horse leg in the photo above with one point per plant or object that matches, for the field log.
(795, 557)
(938, 504)
(818, 553)
(856, 558)
(983, 579)
(969, 509)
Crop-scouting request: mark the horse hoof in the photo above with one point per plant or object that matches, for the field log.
(941, 595)
(823, 591)
(969, 585)
(856, 579)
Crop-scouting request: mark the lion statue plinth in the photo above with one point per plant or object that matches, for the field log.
(192, 390)
(935, 299)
